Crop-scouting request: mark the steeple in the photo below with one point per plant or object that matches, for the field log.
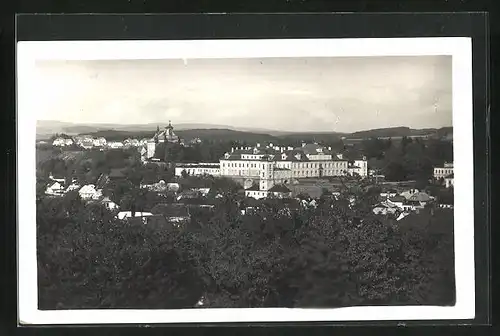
(169, 125)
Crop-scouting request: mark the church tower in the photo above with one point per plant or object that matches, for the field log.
(266, 175)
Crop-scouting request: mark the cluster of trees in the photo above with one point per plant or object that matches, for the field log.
(337, 254)
(86, 166)
(208, 151)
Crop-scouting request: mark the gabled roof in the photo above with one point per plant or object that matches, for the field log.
(420, 197)
(280, 188)
(88, 189)
(397, 198)
(312, 149)
(170, 210)
(128, 214)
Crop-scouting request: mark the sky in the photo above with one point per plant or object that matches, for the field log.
(342, 94)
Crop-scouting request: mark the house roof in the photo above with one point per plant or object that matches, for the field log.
(314, 149)
(101, 181)
(450, 176)
(280, 188)
(89, 188)
(56, 185)
(189, 194)
(420, 197)
(128, 214)
(170, 210)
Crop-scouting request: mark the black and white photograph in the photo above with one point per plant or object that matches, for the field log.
(245, 181)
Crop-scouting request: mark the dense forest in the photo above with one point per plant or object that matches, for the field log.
(330, 256)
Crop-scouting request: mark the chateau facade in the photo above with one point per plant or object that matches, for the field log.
(268, 171)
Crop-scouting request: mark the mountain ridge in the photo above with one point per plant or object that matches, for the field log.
(47, 128)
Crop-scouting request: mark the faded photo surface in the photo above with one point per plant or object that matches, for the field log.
(297, 182)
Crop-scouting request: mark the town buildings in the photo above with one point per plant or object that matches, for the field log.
(445, 175)
(89, 192)
(198, 169)
(260, 169)
(161, 136)
(443, 172)
(449, 181)
(62, 142)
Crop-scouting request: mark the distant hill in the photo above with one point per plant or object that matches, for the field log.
(397, 132)
(47, 128)
(312, 137)
(203, 134)
(50, 127)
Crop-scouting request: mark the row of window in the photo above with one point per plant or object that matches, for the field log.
(256, 193)
(242, 165)
(320, 165)
(443, 171)
(203, 171)
(327, 172)
(299, 165)
(316, 173)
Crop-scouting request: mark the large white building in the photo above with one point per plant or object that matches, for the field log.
(264, 170)
(166, 135)
(198, 169)
(260, 169)
(445, 174)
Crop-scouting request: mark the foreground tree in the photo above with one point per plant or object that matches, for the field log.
(281, 254)
(89, 259)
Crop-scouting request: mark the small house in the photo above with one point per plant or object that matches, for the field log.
(89, 192)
